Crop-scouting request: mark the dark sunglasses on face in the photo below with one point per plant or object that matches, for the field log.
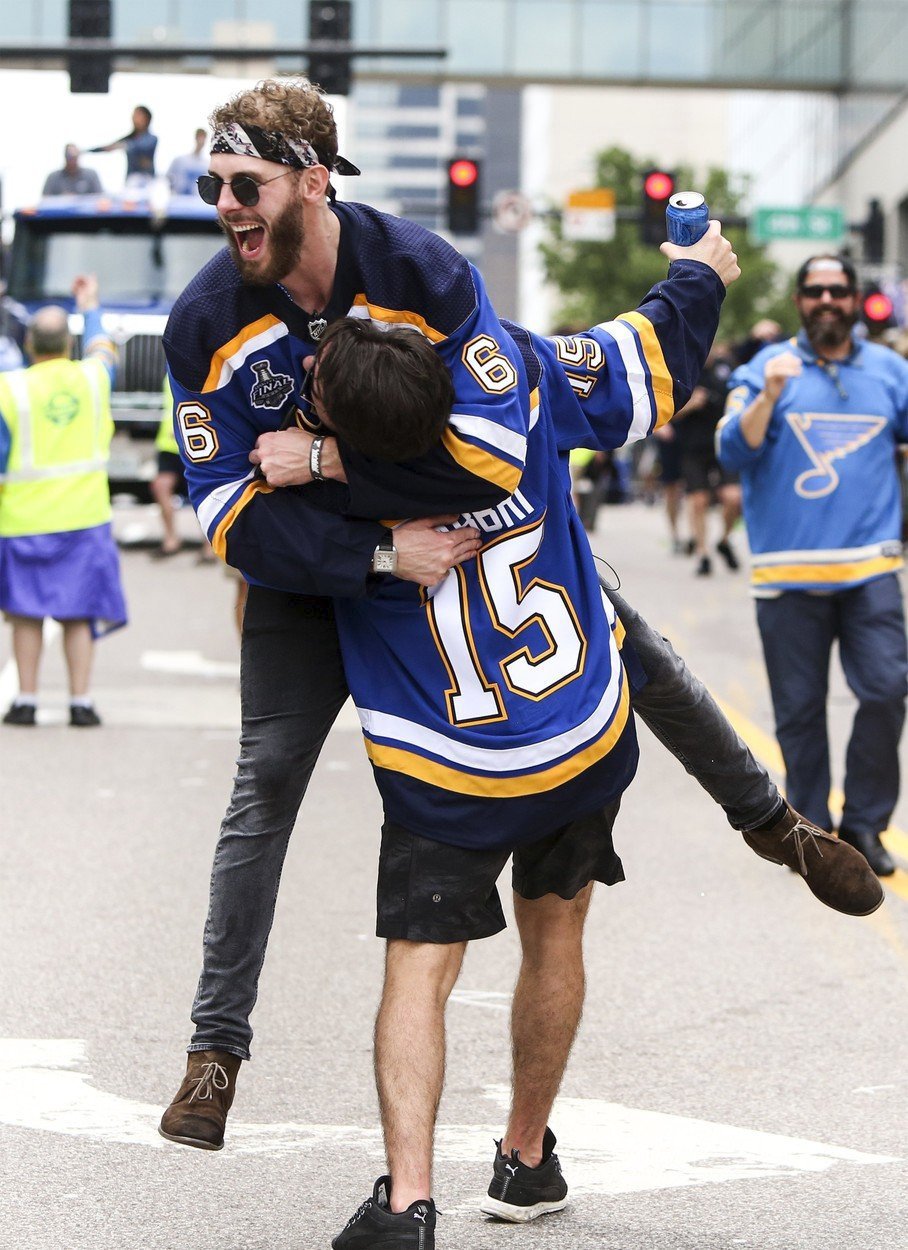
(245, 188)
(838, 290)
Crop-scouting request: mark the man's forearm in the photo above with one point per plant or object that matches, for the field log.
(755, 419)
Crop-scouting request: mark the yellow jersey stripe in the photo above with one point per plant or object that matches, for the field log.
(395, 316)
(482, 463)
(660, 375)
(398, 760)
(223, 354)
(219, 541)
(825, 574)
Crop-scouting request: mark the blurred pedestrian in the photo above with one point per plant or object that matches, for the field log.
(57, 554)
(812, 428)
(186, 169)
(762, 333)
(695, 431)
(169, 484)
(72, 179)
(139, 146)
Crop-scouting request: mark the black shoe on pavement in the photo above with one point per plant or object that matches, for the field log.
(20, 714)
(519, 1193)
(835, 872)
(83, 717)
(704, 568)
(727, 552)
(376, 1227)
(872, 849)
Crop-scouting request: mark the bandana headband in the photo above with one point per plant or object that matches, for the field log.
(271, 145)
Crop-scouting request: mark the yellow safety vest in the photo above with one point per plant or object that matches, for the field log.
(58, 415)
(165, 440)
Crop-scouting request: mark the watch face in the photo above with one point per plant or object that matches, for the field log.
(384, 561)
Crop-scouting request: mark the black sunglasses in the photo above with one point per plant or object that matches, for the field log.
(838, 290)
(245, 188)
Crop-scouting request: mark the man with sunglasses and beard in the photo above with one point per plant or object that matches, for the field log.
(812, 427)
(236, 343)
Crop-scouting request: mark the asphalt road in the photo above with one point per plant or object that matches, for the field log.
(741, 1074)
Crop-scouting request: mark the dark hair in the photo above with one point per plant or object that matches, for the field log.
(840, 261)
(386, 392)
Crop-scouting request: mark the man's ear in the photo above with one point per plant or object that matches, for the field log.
(314, 182)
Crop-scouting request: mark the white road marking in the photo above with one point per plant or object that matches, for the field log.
(189, 664)
(495, 1000)
(606, 1148)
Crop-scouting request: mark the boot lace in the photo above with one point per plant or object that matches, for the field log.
(212, 1079)
(803, 835)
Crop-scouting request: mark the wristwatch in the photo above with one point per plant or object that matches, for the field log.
(384, 557)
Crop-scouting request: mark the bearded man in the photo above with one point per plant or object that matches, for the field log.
(812, 426)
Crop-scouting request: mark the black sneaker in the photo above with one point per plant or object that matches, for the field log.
(376, 1227)
(20, 714)
(704, 568)
(727, 552)
(83, 717)
(519, 1193)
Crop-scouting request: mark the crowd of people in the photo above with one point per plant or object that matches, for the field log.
(375, 380)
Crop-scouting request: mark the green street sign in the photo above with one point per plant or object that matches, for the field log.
(813, 225)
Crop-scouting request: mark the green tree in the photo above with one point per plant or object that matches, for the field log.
(599, 280)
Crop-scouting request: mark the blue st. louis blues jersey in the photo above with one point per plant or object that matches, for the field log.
(496, 707)
(821, 494)
(235, 356)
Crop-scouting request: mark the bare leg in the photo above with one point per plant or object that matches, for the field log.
(545, 1014)
(410, 1059)
(27, 646)
(697, 504)
(162, 488)
(78, 648)
(730, 499)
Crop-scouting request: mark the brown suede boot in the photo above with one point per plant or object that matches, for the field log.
(198, 1113)
(835, 872)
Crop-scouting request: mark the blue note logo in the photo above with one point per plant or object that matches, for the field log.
(827, 439)
(270, 389)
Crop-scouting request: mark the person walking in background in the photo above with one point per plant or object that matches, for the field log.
(812, 427)
(57, 553)
(695, 430)
(139, 146)
(186, 169)
(72, 179)
(169, 483)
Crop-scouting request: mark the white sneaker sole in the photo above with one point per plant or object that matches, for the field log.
(520, 1215)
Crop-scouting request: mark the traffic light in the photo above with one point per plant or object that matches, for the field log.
(330, 19)
(89, 19)
(874, 230)
(658, 187)
(463, 195)
(877, 310)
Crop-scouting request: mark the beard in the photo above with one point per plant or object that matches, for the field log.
(825, 331)
(285, 238)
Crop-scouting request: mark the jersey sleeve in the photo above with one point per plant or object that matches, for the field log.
(630, 375)
(291, 539)
(481, 457)
(733, 451)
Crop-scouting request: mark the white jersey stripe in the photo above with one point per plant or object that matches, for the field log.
(209, 511)
(492, 434)
(242, 354)
(501, 760)
(644, 413)
(831, 555)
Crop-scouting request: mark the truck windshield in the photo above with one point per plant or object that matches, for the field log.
(136, 264)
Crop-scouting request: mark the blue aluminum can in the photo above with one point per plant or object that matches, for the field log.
(686, 218)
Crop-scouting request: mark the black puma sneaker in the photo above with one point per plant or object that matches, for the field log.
(519, 1193)
(376, 1227)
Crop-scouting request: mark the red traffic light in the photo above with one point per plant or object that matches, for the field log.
(877, 307)
(658, 185)
(463, 173)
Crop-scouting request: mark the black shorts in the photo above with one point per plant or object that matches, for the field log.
(433, 892)
(702, 471)
(170, 462)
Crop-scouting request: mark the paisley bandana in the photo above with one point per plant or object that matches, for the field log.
(270, 145)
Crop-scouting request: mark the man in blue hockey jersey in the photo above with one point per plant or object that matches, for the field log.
(812, 426)
(235, 344)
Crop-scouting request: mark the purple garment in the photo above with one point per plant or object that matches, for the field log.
(73, 576)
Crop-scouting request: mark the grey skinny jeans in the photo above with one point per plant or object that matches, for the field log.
(292, 687)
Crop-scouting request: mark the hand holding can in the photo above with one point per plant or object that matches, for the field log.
(686, 218)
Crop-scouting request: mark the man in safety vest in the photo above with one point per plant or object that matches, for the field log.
(57, 553)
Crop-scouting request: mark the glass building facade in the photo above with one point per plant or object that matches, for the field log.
(850, 45)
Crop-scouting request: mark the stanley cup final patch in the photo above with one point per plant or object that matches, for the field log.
(269, 389)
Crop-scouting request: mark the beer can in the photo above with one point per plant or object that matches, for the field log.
(686, 218)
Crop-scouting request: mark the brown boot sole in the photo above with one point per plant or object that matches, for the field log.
(858, 914)
(190, 1141)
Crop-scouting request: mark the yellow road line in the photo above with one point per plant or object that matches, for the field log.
(766, 749)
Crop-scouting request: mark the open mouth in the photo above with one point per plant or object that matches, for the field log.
(250, 239)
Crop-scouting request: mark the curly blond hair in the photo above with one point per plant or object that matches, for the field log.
(291, 106)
